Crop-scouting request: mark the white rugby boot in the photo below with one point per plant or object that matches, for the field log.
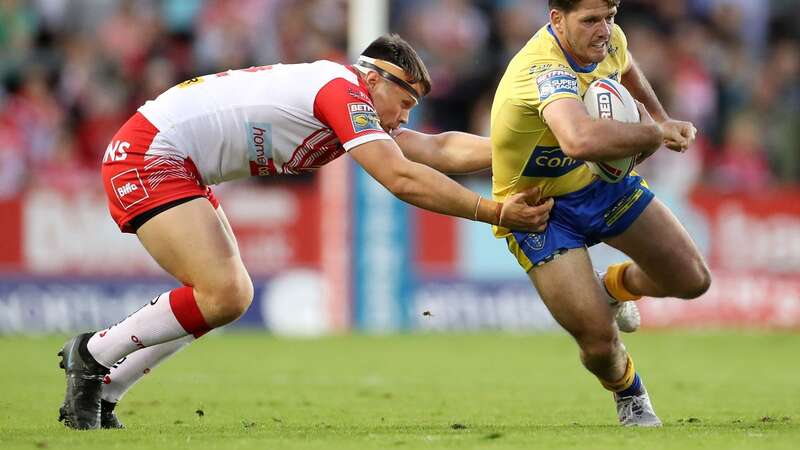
(636, 411)
(626, 314)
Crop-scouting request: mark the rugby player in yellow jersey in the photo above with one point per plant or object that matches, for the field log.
(540, 134)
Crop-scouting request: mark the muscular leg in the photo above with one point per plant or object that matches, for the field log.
(127, 373)
(193, 243)
(570, 290)
(666, 261)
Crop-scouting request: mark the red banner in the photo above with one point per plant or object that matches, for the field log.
(754, 232)
(10, 234)
(277, 227)
(62, 231)
(755, 261)
(735, 299)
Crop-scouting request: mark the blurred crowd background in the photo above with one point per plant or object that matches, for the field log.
(72, 71)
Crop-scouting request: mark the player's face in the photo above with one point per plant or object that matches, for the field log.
(587, 30)
(392, 103)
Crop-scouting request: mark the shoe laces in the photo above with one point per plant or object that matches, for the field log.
(632, 406)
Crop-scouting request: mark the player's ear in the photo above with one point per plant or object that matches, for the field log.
(372, 79)
(557, 19)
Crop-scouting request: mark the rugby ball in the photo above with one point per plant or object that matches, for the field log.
(608, 99)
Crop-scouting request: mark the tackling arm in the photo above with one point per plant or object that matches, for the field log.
(451, 152)
(426, 188)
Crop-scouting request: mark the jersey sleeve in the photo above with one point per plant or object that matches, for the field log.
(620, 42)
(553, 81)
(347, 110)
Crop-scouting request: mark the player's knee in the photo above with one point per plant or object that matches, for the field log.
(599, 348)
(239, 297)
(697, 283)
(231, 297)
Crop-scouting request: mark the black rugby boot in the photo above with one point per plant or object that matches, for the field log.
(108, 419)
(81, 408)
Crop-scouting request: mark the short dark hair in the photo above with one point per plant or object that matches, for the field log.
(569, 5)
(394, 49)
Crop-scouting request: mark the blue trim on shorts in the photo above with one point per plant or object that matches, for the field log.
(585, 217)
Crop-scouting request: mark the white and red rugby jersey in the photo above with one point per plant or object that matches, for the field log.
(279, 119)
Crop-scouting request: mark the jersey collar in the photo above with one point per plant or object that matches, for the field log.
(361, 81)
(572, 63)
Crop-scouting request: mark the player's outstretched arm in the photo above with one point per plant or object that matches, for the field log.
(426, 188)
(451, 152)
(588, 139)
(678, 134)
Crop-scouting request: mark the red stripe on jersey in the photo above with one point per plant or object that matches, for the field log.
(339, 103)
(318, 149)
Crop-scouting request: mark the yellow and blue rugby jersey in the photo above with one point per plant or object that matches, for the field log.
(525, 153)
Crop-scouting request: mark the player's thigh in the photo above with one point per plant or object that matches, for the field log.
(660, 245)
(571, 291)
(193, 244)
(227, 225)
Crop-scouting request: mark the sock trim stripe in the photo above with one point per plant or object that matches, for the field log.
(186, 312)
(625, 382)
(613, 282)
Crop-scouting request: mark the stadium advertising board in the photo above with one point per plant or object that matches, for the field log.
(59, 246)
(754, 254)
(755, 259)
(61, 255)
(61, 231)
(286, 304)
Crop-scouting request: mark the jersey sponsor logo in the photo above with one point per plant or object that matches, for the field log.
(556, 82)
(116, 151)
(363, 117)
(126, 189)
(260, 149)
(129, 188)
(549, 162)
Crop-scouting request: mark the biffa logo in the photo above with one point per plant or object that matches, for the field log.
(127, 189)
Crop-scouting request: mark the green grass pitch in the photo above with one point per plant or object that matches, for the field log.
(726, 390)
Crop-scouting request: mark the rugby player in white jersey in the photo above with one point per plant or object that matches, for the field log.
(261, 121)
